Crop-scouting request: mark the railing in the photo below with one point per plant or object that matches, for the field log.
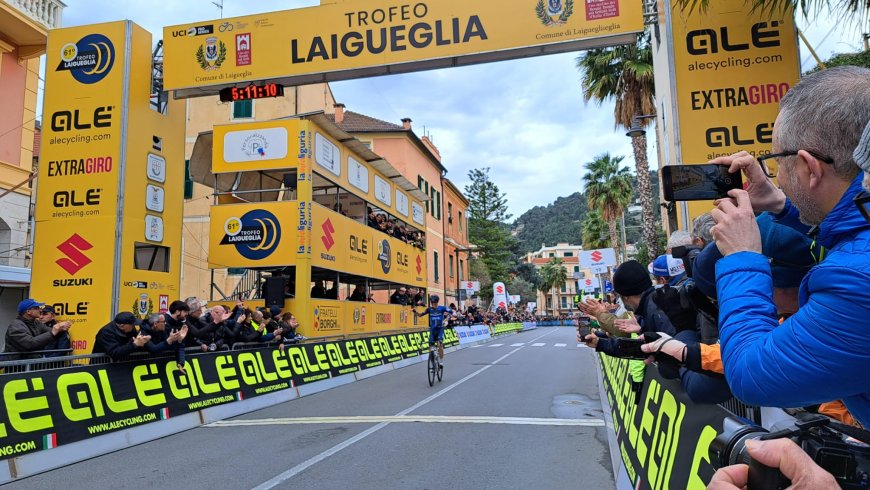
(46, 12)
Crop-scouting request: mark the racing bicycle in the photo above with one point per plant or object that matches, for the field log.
(435, 367)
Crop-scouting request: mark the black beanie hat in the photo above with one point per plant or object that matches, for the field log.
(631, 279)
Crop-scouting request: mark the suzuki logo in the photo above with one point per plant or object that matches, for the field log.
(597, 256)
(499, 289)
(419, 265)
(75, 260)
(328, 230)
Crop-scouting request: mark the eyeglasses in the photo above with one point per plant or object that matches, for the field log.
(771, 167)
(862, 200)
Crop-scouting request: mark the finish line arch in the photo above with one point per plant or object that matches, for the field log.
(349, 39)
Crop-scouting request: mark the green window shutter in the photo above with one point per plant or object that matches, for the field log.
(188, 182)
(436, 265)
(243, 109)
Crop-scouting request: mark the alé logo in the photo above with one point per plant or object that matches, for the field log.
(74, 259)
(327, 239)
(596, 256)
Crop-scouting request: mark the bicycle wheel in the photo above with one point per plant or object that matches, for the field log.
(433, 368)
(440, 371)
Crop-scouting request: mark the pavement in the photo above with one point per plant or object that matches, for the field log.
(521, 411)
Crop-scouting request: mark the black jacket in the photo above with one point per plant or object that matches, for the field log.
(113, 341)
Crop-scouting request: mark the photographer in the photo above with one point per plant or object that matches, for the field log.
(815, 354)
(783, 454)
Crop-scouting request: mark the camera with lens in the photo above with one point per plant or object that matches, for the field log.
(687, 254)
(846, 459)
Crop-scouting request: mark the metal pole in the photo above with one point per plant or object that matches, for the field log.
(624, 244)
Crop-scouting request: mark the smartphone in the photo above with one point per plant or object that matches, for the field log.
(698, 182)
(630, 349)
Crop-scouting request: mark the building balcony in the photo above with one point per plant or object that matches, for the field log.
(26, 24)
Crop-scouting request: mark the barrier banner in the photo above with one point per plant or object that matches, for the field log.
(529, 326)
(471, 334)
(506, 327)
(663, 437)
(44, 409)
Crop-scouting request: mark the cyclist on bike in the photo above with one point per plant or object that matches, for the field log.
(436, 323)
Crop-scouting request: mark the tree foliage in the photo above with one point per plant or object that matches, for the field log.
(553, 276)
(562, 221)
(524, 289)
(625, 74)
(477, 271)
(486, 224)
(594, 231)
(608, 190)
(853, 12)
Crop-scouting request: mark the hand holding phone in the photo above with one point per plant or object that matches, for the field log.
(704, 182)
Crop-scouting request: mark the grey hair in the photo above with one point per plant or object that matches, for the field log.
(826, 113)
(152, 319)
(194, 303)
(702, 227)
(679, 238)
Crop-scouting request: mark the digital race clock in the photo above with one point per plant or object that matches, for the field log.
(251, 92)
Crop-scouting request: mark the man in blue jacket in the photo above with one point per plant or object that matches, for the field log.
(821, 352)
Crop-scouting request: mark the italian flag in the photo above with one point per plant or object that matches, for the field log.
(239, 396)
(164, 413)
(49, 441)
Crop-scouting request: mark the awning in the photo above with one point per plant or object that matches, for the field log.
(14, 277)
(200, 165)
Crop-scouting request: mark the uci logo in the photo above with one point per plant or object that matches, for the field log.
(709, 41)
(88, 60)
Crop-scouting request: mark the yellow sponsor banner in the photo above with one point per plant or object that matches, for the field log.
(255, 235)
(76, 200)
(358, 317)
(341, 37)
(327, 317)
(386, 317)
(732, 67)
(258, 145)
(153, 193)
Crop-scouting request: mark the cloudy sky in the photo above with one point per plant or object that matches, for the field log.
(525, 119)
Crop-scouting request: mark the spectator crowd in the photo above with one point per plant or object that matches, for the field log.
(765, 300)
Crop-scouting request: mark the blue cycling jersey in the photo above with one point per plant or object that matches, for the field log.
(436, 315)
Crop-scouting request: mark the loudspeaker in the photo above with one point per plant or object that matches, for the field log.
(273, 292)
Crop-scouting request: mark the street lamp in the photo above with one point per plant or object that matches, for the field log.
(636, 128)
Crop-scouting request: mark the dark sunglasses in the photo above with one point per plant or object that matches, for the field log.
(862, 200)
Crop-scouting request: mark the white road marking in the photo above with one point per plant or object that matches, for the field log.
(277, 480)
(365, 419)
(518, 345)
(560, 345)
(539, 344)
(496, 345)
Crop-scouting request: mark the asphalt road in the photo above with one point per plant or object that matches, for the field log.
(519, 412)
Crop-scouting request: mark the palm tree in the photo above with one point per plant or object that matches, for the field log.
(594, 230)
(847, 10)
(608, 189)
(625, 73)
(555, 275)
(546, 283)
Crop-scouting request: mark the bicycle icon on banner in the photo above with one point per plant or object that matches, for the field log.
(225, 27)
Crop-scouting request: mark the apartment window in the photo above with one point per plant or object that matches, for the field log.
(459, 217)
(569, 254)
(435, 262)
(461, 270)
(563, 287)
(552, 254)
(564, 302)
(576, 268)
(424, 187)
(451, 266)
(188, 182)
(450, 213)
(435, 198)
(243, 109)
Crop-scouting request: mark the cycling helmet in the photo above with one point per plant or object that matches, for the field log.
(434, 298)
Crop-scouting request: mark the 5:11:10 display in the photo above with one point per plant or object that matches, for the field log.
(251, 92)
